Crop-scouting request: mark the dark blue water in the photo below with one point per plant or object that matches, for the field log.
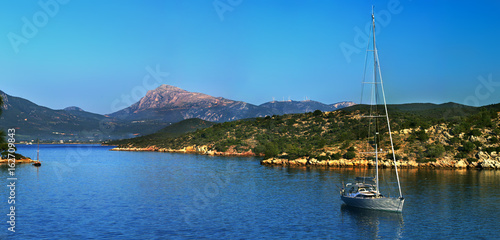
(88, 192)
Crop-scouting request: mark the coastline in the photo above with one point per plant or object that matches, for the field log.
(344, 163)
(484, 161)
(18, 161)
(190, 150)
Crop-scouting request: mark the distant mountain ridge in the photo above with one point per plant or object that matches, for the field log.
(32, 121)
(172, 104)
(158, 109)
(288, 107)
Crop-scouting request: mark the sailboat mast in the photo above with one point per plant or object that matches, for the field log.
(38, 150)
(377, 66)
(376, 168)
(376, 101)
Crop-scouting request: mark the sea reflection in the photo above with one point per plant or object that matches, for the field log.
(371, 224)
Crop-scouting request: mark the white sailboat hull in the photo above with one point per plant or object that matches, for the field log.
(382, 203)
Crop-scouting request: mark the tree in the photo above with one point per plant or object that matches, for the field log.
(475, 132)
(422, 135)
(317, 113)
(336, 156)
(271, 150)
(350, 153)
(435, 151)
(468, 146)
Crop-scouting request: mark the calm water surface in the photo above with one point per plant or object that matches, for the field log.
(89, 192)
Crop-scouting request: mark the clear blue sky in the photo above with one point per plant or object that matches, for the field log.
(91, 53)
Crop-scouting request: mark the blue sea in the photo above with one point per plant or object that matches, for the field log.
(89, 192)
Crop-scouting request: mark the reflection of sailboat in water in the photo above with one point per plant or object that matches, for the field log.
(37, 163)
(372, 224)
(365, 192)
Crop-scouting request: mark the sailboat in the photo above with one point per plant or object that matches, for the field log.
(364, 192)
(37, 163)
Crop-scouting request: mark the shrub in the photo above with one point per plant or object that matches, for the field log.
(422, 135)
(221, 148)
(317, 113)
(259, 149)
(471, 160)
(475, 132)
(477, 144)
(389, 156)
(336, 156)
(321, 158)
(425, 160)
(461, 155)
(454, 140)
(435, 151)
(271, 150)
(496, 131)
(448, 148)
(350, 155)
(468, 146)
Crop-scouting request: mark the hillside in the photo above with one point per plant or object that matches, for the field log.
(445, 111)
(71, 124)
(419, 135)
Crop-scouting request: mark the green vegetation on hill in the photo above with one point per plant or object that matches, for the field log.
(421, 133)
(37, 122)
(4, 145)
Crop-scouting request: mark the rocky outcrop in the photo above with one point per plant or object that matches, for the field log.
(18, 161)
(483, 162)
(487, 161)
(203, 150)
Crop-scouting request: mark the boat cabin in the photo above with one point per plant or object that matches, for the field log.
(364, 187)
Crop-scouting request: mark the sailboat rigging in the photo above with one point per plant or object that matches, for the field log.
(37, 163)
(365, 192)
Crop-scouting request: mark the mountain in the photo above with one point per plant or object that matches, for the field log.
(32, 121)
(287, 107)
(172, 104)
(158, 109)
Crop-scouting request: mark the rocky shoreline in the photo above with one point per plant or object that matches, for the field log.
(18, 161)
(202, 150)
(485, 161)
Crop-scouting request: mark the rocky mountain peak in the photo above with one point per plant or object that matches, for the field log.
(166, 96)
(172, 104)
